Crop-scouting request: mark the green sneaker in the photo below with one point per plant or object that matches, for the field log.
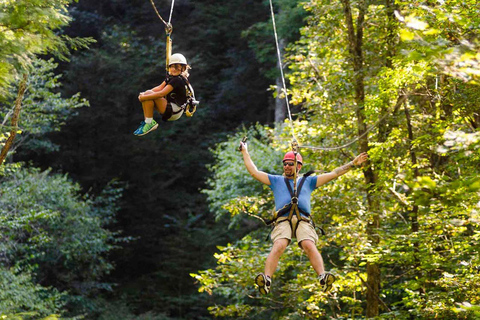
(146, 128)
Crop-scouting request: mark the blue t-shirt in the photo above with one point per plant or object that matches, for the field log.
(282, 195)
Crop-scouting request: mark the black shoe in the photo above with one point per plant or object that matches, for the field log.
(326, 281)
(263, 282)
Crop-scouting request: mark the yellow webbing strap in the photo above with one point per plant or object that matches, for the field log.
(295, 152)
(189, 113)
(300, 218)
(168, 31)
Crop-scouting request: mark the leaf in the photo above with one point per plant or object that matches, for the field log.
(406, 35)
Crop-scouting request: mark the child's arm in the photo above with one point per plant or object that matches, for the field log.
(152, 95)
(155, 89)
(160, 87)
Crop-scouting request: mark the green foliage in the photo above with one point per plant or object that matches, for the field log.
(425, 156)
(43, 108)
(27, 315)
(430, 273)
(229, 180)
(444, 272)
(19, 293)
(30, 28)
(48, 229)
(162, 208)
(120, 309)
(289, 18)
(444, 34)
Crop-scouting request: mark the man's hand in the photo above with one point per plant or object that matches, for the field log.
(361, 158)
(243, 145)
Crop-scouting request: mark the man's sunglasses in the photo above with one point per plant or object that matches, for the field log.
(290, 164)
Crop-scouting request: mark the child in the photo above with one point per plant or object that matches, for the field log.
(168, 98)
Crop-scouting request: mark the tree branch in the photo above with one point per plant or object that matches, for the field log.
(16, 114)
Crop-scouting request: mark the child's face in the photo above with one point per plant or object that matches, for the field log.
(175, 69)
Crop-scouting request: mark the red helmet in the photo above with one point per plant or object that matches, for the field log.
(291, 156)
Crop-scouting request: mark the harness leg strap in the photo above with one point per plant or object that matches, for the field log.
(168, 112)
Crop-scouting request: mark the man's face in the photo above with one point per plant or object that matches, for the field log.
(288, 168)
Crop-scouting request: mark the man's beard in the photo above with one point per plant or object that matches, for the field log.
(290, 174)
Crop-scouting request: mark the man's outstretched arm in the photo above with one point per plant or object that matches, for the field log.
(326, 177)
(251, 167)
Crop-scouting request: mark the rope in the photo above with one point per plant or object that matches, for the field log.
(347, 144)
(284, 89)
(167, 24)
(400, 101)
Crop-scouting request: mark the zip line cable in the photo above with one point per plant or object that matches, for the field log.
(167, 24)
(280, 66)
(295, 144)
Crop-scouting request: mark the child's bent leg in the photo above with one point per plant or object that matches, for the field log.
(148, 108)
(149, 124)
(160, 105)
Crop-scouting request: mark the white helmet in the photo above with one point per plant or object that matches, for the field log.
(177, 58)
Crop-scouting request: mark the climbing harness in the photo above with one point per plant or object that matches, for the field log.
(292, 209)
(190, 106)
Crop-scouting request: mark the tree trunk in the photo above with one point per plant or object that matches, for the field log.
(16, 114)
(355, 46)
(413, 214)
(280, 103)
(391, 31)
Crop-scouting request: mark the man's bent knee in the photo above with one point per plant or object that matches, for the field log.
(280, 244)
(308, 245)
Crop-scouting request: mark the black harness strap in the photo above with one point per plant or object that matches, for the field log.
(169, 110)
(292, 208)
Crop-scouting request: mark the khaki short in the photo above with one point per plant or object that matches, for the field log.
(305, 230)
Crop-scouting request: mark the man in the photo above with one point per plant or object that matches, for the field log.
(301, 228)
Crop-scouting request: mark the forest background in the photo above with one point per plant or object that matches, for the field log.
(96, 223)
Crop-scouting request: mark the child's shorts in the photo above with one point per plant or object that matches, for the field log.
(305, 230)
